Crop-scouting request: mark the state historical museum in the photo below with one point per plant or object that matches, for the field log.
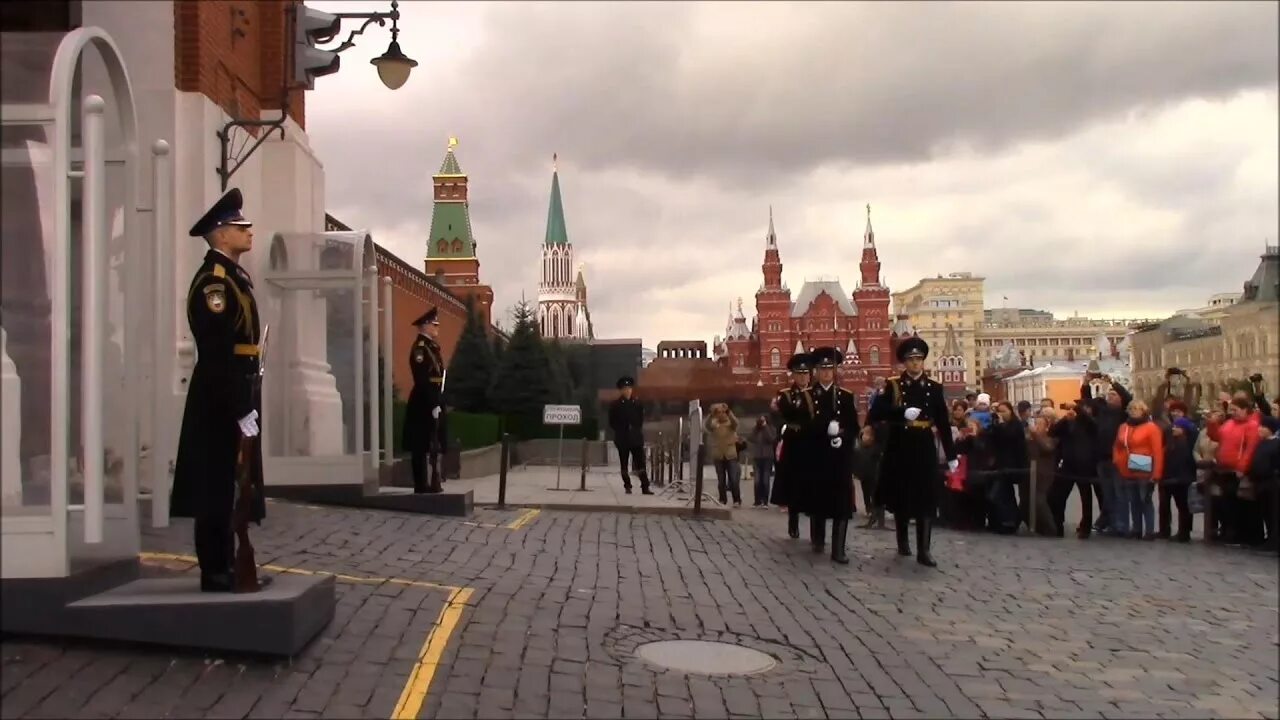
(750, 361)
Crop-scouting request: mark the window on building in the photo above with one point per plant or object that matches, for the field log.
(457, 245)
(775, 358)
(443, 246)
(874, 354)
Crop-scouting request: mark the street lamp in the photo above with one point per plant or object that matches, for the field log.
(393, 65)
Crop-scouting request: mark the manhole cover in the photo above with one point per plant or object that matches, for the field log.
(708, 658)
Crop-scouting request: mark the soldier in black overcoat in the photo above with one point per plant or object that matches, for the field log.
(833, 432)
(914, 412)
(423, 434)
(222, 404)
(626, 420)
(795, 407)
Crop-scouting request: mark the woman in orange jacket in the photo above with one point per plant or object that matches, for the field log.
(1139, 458)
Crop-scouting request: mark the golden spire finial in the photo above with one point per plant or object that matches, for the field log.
(453, 142)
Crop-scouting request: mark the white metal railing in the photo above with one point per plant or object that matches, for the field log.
(387, 358)
(162, 349)
(92, 314)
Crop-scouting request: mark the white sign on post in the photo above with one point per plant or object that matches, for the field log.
(561, 415)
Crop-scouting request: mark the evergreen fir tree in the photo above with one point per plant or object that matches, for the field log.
(523, 382)
(471, 371)
(562, 385)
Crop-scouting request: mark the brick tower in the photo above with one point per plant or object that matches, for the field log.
(451, 246)
(871, 297)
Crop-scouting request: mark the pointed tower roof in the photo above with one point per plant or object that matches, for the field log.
(450, 236)
(951, 346)
(557, 234)
(869, 237)
(799, 347)
(580, 281)
(771, 240)
(450, 165)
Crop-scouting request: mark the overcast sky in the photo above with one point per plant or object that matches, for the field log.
(1110, 159)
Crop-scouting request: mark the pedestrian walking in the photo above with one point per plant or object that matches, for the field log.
(764, 441)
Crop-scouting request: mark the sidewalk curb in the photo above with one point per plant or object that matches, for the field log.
(709, 513)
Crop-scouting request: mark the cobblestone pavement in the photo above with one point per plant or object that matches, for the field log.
(1007, 627)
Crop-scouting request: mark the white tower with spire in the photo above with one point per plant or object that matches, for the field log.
(562, 295)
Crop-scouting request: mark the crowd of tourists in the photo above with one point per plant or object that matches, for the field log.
(1146, 472)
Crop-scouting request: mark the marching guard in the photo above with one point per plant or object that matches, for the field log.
(222, 406)
(424, 420)
(828, 487)
(795, 406)
(915, 413)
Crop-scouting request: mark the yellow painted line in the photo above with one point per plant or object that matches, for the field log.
(415, 690)
(525, 518)
(414, 694)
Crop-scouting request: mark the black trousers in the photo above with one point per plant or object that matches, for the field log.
(1060, 493)
(633, 456)
(215, 543)
(1175, 494)
(419, 460)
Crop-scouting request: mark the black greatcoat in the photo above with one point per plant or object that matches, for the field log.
(796, 408)
(427, 364)
(626, 420)
(827, 492)
(223, 317)
(910, 479)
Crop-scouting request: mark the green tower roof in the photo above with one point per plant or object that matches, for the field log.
(450, 236)
(556, 232)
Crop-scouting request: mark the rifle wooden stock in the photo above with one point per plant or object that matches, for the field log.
(245, 578)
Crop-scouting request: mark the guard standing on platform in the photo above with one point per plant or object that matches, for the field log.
(221, 403)
(828, 488)
(626, 419)
(795, 406)
(914, 411)
(424, 419)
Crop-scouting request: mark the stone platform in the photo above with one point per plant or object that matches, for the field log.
(454, 504)
(279, 620)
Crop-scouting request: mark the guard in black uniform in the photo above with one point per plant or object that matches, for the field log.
(914, 412)
(795, 407)
(626, 419)
(221, 402)
(424, 419)
(828, 488)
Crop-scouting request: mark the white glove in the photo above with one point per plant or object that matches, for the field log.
(249, 424)
(952, 465)
(836, 442)
(911, 414)
(435, 413)
(833, 428)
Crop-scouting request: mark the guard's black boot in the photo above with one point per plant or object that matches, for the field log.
(924, 532)
(793, 523)
(839, 533)
(818, 533)
(644, 484)
(215, 582)
(901, 524)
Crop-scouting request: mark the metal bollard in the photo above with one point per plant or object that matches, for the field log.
(698, 479)
(504, 460)
(583, 484)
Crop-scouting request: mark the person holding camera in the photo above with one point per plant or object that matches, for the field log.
(725, 448)
(1109, 414)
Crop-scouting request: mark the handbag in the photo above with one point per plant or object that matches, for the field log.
(956, 478)
(1137, 461)
(1195, 499)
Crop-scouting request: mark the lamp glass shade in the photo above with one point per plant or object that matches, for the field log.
(393, 66)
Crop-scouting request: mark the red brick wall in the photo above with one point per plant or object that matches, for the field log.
(235, 52)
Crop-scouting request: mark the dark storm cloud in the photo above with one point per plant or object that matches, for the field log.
(757, 89)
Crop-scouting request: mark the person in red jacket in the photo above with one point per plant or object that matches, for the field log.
(1138, 455)
(1237, 441)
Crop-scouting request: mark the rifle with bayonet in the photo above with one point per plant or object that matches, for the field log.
(245, 576)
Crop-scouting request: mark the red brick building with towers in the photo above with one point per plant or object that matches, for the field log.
(821, 314)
